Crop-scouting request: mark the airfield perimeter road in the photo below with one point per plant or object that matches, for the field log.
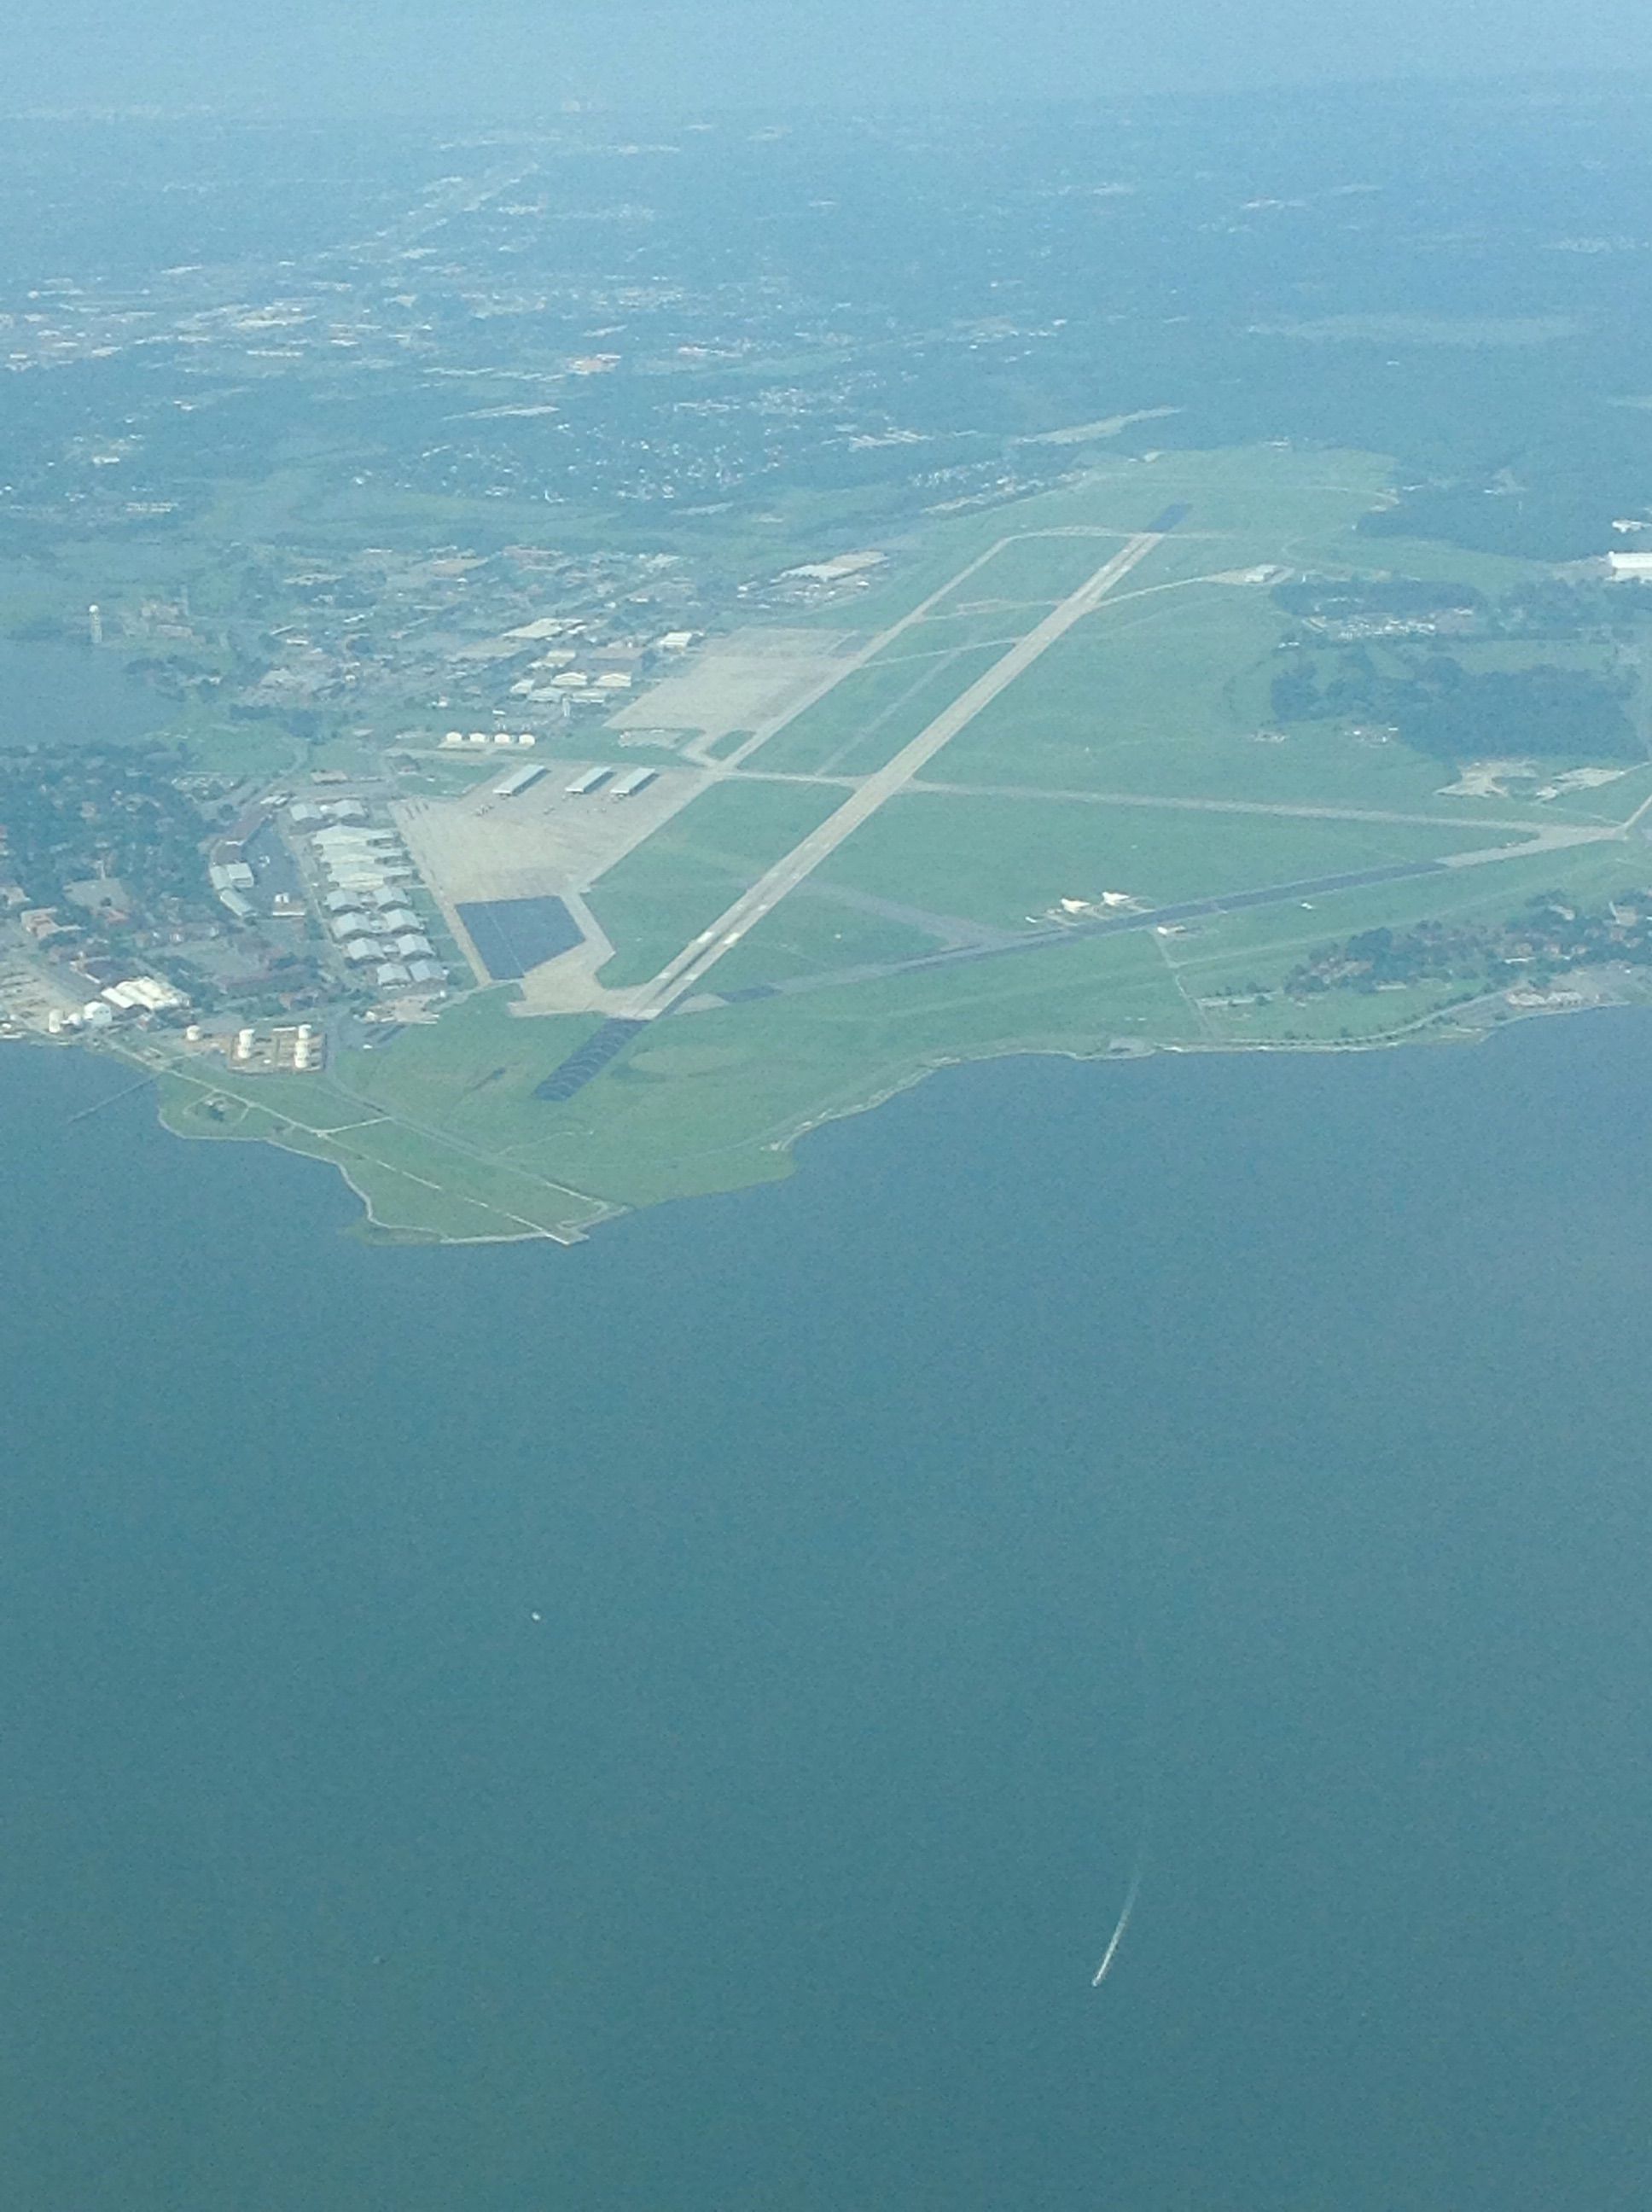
(681, 975)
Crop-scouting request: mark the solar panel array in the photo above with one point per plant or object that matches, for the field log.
(512, 935)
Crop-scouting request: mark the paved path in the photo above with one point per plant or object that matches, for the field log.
(684, 972)
(1287, 810)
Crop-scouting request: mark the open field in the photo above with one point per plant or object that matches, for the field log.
(824, 929)
(423, 1166)
(1008, 864)
(867, 718)
(667, 890)
(714, 1100)
(1167, 693)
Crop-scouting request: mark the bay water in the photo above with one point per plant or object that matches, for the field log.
(672, 1725)
(56, 693)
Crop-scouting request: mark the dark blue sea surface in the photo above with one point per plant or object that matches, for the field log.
(670, 1726)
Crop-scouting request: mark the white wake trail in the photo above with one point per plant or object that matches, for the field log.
(1112, 1950)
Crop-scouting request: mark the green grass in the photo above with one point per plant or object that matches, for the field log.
(1168, 694)
(713, 1101)
(660, 897)
(729, 742)
(261, 748)
(1002, 861)
(811, 934)
(469, 1077)
(998, 624)
(866, 719)
(1029, 573)
(423, 1127)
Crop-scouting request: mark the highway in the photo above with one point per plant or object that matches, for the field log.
(681, 975)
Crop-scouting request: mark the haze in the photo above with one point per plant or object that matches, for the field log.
(512, 57)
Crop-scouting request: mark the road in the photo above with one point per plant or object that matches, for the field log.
(691, 964)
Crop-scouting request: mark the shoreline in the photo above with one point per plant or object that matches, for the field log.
(1441, 1027)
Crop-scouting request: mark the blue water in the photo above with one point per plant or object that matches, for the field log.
(57, 694)
(1261, 1445)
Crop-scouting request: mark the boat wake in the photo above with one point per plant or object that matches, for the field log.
(1112, 1950)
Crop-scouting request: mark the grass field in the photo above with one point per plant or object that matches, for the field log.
(421, 1129)
(1167, 693)
(671, 888)
(1138, 755)
(812, 934)
(714, 1100)
(865, 719)
(1007, 862)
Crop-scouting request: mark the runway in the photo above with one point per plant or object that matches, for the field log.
(681, 975)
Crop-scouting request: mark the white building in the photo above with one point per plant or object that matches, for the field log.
(144, 994)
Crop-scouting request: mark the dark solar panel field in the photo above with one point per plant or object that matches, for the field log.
(512, 935)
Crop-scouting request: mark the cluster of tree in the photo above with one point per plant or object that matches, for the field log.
(1567, 607)
(292, 982)
(1562, 509)
(1456, 714)
(69, 816)
(1550, 937)
(1546, 606)
(1344, 598)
